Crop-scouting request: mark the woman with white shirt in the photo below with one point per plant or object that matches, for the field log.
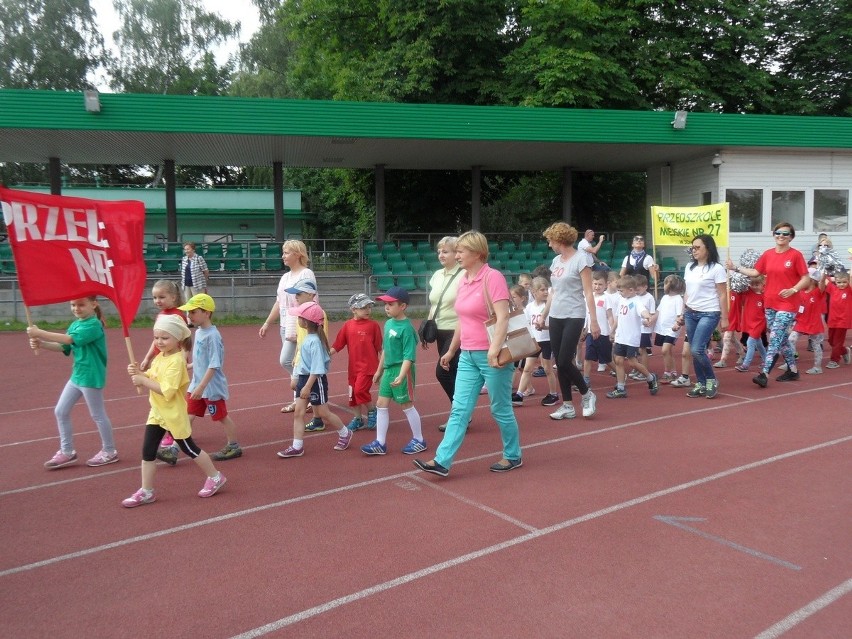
(705, 308)
(295, 257)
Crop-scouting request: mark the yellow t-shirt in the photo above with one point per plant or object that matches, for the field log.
(169, 409)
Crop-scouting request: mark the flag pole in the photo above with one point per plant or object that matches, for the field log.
(131, 356)
(30, 323)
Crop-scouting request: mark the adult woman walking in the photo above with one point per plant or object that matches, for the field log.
(568, 303)
(442, 301)
(786, 274)
(705, 308)
(295, 257)
(478, 358)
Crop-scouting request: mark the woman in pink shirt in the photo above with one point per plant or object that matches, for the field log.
(478, 360)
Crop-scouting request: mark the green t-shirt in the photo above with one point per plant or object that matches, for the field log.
(90, 352)
(400, 342)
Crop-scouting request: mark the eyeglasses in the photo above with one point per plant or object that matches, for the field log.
(783, 233)
(639, 238)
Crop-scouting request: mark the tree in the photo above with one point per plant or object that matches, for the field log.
(166, 46)
(48, 44)
(815, 56)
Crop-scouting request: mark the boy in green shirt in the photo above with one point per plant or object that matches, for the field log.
(395, 374)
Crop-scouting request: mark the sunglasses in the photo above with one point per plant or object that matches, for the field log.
(639, 238)
(783, 233)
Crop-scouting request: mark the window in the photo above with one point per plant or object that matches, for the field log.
(789, 206)
(831, 211)
(706, 198)
(746, 209)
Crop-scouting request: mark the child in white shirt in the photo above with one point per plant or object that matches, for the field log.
(667, 327)
(629, 319)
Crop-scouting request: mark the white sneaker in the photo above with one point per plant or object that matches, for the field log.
(681, 382)
(566, 411)
(847, 355)
(601, 368)
(589, 404)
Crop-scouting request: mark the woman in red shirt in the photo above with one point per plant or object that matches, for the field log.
(786, 274)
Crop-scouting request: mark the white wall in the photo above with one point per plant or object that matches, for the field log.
(779, 171)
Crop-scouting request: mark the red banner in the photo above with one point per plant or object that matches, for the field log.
(70, 247)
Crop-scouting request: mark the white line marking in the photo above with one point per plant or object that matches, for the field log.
(470, 502)
(809, 610)
(450, 563)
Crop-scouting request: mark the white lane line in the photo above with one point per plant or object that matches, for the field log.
(807, 611)
(476, 504)
(456, 561)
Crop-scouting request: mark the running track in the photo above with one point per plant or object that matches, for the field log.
(660, 517)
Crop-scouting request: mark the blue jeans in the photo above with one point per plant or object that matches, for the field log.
(473, 371)
(699, 328)
(754, 343)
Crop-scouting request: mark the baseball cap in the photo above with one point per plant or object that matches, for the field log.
(360, 300)
(202, 301)
(303, 286)
(394, 294)
(310, 311)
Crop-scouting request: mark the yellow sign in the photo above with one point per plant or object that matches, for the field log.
(677, 225)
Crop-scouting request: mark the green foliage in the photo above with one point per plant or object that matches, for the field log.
(166, 46)
(48, 44)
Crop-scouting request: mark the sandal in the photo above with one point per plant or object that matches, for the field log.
(289, 408)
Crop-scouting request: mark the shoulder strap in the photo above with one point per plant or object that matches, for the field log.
(437, 308)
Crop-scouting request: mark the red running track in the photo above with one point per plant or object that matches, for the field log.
(660, 517)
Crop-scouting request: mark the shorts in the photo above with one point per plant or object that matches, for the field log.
(216, 408)
(623, 350)
(319, 391)
(546, 350)
(402, 394)
(659, 340)
(645, 340)
(598, 350)
(359, 388)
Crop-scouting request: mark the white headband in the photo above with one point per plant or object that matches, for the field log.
(173, 325)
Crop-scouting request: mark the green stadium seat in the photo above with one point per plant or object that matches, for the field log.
(669, 265)
(169, 265)
(214, 250)
(510, 246)
(512, 267)
(233, 264)
(234, 250)
(407, 281)
(384, 282)
(151, 265)
(381, 268)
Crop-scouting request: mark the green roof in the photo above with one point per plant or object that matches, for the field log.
(134, 128)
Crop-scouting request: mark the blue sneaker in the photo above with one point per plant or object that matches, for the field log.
(315, 425)
(374, 448)
(653, 384)
(371, 419)
(539, 372)
(355, 424)
(414, 446)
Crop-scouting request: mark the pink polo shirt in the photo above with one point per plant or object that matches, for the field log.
(472, 309)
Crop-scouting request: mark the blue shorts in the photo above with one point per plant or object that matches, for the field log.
(598, 350)
(645, 340)
(623, 350)
(659, 340)
(319, 391)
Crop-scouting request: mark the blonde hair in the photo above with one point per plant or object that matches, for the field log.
(539, 283)
(298, 247)
(627, 281)
(448, 241)
(561, 232)
(475, 242)
(520, 291)
(170, 286)
(757, 279)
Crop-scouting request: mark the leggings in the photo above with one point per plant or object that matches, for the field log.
(447, 378)
(778, 325)
(564, 335)
(288, 353)
(154, 434)
(95, 401)
(816, 343)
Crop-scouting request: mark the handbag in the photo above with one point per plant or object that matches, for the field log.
(519, 343)
(428, 330)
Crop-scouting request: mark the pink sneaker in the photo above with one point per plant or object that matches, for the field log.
(212, 486)
(167, 440)
(343, 441)
(290, 451)
(60, 459)
(103, 458)
(139, 498)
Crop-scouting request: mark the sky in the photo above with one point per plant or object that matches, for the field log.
(234, 10)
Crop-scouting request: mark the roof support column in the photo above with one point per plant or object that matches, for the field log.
(171, 202)
(567, 194)
(475, 197)
(55, 172)
(278, 199)
(380, 203)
